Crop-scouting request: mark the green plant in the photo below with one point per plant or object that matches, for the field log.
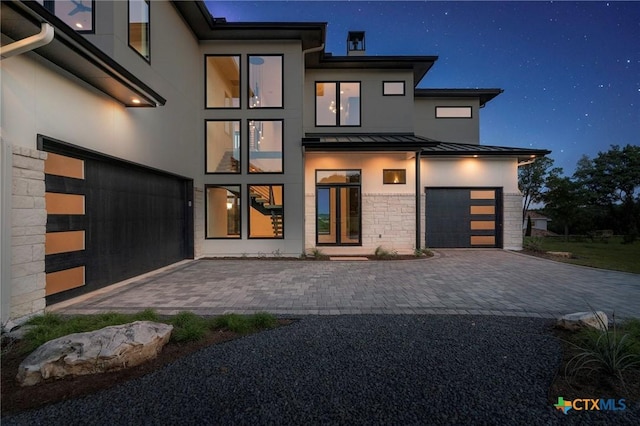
(243, 324)
(423, 252)
(382, 253)
(606, 350)
(276, 253)
(317, 254)
(188, 327)
(533, 244)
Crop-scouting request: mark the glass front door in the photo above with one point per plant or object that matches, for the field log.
(338, 215)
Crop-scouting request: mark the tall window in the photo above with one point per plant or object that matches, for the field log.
(265, 81)
(139, 28)
(266, 211)
(222, 146)
(337, 104)
(338, 207)
(223, 211)
(265, 146)
(78, 14)
(222, 81)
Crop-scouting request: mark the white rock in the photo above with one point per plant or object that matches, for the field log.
(107, 349)
(578, 320)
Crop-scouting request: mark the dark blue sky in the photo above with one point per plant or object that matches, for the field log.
(570, 70)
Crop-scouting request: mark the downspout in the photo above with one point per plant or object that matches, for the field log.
(44, 37)
(418, 195)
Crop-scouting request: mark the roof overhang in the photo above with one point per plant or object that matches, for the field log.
(457, 150)
(373, 142)
(205, 27)
(484, 95)
(420, 65)
(71, 52)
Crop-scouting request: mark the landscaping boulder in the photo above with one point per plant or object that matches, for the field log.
(107, 349)
(579, 320)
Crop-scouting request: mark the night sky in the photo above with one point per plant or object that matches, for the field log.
(570, 70)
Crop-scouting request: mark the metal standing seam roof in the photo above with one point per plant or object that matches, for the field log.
(409, 142)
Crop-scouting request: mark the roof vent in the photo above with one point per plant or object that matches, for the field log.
(355, 43)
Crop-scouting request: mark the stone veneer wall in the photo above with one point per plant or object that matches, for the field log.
(28, 229)
(512, 221)
(198, 206)
(388, 220)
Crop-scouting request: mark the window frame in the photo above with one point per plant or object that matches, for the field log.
(338, 185)
(444, 107)
(206, 146)
(249, 55)
(148, 2)
(404, 88)
(50, 5)
(403, 181)
(206, 81)
(206, 211)
(249, 172)
(337, 96)
(249, 237)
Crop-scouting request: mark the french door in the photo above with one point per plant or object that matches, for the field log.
(338, 215)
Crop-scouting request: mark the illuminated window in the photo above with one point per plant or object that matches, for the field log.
(78, 14)
(139, 28)
(265, 81)
(223, 211)
(222, 81)
(222, 146)
(265, 146)
(266, 211)
(337, 104)
(394, 176)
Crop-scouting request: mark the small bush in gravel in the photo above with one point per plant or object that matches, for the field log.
(610, 351)
(263, 320)
(233, 322)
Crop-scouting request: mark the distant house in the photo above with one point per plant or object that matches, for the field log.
(138, 134)
(538, 221)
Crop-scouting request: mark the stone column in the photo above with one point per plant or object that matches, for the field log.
(512, 221)
(28, 229)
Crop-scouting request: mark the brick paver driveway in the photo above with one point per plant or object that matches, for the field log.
(491, 282)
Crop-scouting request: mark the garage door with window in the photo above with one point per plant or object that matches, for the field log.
(109, 220)
(463, 217)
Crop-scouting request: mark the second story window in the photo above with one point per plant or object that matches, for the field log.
(139, 28)
(222, 81)
(78, 14)
(265, 81)
(337, 103)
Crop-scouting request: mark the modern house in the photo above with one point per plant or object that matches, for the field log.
(136, 134)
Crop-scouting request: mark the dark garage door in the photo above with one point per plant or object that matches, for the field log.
(463, 217)
(129, 220)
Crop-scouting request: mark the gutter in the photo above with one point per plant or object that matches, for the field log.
(44, 37)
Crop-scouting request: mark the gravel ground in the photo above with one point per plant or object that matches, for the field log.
(366, 369)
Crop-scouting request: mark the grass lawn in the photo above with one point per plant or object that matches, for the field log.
(606, 255)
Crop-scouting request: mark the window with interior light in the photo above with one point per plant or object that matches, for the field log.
(78, 14)
(222, 146)
(265, 81)
(222, 81)
(265, 146)
(223, 210)
(266, 211)
(337, 103)
(394, 176)
(139, 27)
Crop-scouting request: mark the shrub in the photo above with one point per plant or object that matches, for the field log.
(533, 244)
(317, 254)
(423, 252)
(188, 327)
(606, 350)
(382, 253)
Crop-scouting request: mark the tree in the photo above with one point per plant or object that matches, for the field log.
(562, 200)
(531, 181)
(611, 179)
